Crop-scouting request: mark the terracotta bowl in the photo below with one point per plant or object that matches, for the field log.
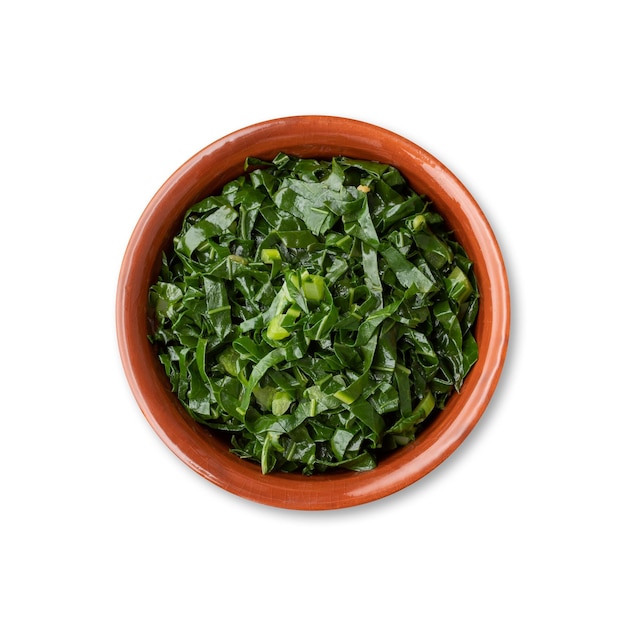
(205, 173)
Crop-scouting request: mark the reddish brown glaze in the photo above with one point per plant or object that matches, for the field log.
(205, 173)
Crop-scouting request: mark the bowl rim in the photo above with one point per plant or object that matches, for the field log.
(188, 440)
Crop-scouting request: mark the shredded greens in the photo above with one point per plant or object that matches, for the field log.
(317, 312)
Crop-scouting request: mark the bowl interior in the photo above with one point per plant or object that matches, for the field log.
(204, 174)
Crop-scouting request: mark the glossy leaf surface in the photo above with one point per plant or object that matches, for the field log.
(317, 312)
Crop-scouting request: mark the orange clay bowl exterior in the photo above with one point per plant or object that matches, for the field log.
(204, 174)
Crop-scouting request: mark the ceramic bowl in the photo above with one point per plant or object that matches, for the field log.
(203, 174)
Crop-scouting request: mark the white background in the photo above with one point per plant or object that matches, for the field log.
(101, 524)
